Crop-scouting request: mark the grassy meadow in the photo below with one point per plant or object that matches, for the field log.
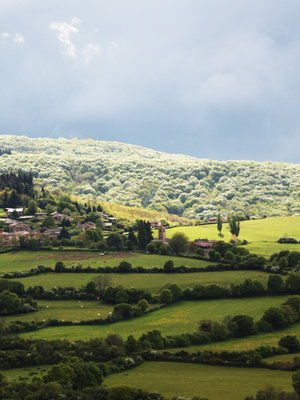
(25, 260)
(247, 343)
(69, 310)
(27, 373)
(150, 282)
(282, 358)
(213, 382)
(262, 234)
(171, 320)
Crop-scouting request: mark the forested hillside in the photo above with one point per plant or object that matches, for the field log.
(136, 176)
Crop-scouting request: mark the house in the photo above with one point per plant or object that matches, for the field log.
(19, 226)
(41, 215)
(86, 225)
(24, 217)
(204, 243)
(155, 224)
(212, 220)
(10, 211)
(107, 225)
(10, 238)
(60, 217)
(7, 221)
(51, 233)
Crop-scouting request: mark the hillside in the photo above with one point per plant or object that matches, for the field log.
(136, 176)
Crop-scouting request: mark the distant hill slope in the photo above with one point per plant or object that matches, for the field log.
(136, 176)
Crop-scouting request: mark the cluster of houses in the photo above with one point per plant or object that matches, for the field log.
(18, 228)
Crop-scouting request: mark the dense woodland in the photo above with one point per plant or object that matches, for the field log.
(135, 176)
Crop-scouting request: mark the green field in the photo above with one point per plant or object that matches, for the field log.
(27, 373)
(282, 358)
(206, 381)
(262, 234)
(244, 344)
(68, 310)
(150, 282)
(172, 320)
(25, 260)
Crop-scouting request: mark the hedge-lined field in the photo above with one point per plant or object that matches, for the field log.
(247, 343)
(69, 310)
(204, 381)
(172, 320)
(25, 260)
(266, 229)
(150, 282)
(27, 373)
(261, 234)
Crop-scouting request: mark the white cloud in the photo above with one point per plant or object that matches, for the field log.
(18, 38)
(90, 51)
(65, 31)
(12, 37)
(66, 35)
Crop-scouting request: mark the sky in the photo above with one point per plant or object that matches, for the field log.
(213, 79)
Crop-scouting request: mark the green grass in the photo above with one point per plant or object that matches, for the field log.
(282, 358)
(262, 234)
(266, 249)
(25, 260)
(248, 343)
(69, 310)
(27, 373)
(172, 320)
(150, 282)
(215, 383)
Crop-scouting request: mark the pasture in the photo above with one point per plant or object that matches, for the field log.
(171, 320)
(25, 260)
(205, 381)
(282, 358)
(68, 310)
(26, 373)
(261, 234)
(150, 282)
(247, 343)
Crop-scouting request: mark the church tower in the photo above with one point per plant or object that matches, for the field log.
(162, 234)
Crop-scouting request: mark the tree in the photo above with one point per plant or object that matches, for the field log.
(101, 282)
(49, 222)
(178, 243)
(166, 296)
(60, 266)
(142, 234)
(124, 266)
(32, 208)
(275, 317)
(13, 199)
(219, 223)
(143, 304)
(275, 284)
(176, 291)
(229, 256)
(121, 296)
(169, 266)
(234, 225)
(64, 234)
(290, 342)
(115, 241)
(296, 382)
(242, 325)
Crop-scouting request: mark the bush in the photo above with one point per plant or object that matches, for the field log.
(290, 342)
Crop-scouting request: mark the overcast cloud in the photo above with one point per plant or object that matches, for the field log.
(210, 78)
